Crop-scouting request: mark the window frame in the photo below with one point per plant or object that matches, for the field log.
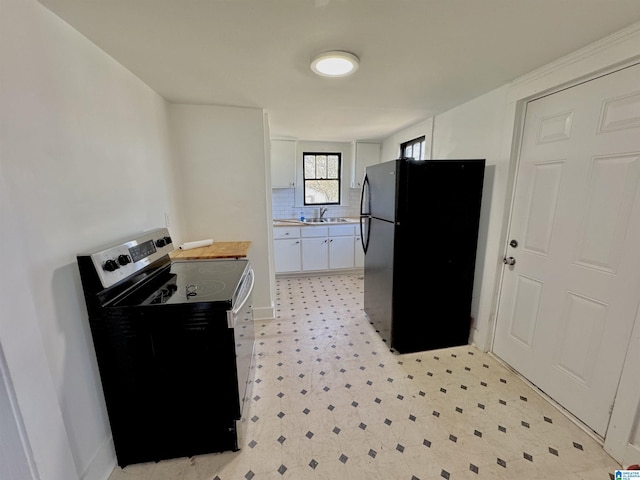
(422, 141)
(305, 179)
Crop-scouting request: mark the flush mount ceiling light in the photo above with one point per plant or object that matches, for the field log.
(335, 64)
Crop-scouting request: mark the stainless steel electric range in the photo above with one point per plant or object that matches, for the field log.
(174, 344)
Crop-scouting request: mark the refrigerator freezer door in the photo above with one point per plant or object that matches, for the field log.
(382, 178)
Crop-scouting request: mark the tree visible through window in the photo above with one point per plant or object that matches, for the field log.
(321, 178)
(414, 148)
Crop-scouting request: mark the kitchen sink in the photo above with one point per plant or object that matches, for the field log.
(326, 220)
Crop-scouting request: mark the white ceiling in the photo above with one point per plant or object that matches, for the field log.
(418, 57)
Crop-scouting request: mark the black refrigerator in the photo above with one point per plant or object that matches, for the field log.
(419, 228)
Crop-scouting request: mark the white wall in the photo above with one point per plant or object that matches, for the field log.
(221, 170)
(84, 161)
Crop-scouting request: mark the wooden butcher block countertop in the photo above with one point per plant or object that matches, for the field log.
(216, 250)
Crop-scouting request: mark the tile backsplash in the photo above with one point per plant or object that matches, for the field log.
(283, 205)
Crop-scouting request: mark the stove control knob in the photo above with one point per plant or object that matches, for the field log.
(124, 259)
(167, 240)
(110, 265)
(160, 243)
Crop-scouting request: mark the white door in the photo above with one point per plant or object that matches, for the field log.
(567, 306)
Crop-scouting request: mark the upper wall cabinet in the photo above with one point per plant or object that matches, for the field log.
(283, 163)
(365, 154)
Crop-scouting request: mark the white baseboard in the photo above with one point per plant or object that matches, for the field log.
(264, 313)
(631, 456)
(102, 464)
(322, 273)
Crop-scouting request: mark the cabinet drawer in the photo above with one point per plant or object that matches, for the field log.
(286, 232)
(315, 231)
(341, 230)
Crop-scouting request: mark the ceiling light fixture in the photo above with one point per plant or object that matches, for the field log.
(335, 64)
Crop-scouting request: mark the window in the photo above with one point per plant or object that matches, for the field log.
(413, 148)
(321, 178)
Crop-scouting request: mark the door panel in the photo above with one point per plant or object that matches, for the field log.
(567, 306)
(541, 212)
(524, 314)
(606, 212)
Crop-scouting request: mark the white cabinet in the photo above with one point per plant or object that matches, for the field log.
(283, 163)
(341, 251)
(359, 252)
(286, 249)
(315, 248)
(365, 154)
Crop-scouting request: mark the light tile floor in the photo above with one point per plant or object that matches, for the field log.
(331, 401)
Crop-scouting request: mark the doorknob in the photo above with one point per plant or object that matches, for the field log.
(509, 261)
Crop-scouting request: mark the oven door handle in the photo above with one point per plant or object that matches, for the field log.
(232, 314)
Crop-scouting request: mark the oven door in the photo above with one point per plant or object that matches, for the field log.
(241, 320)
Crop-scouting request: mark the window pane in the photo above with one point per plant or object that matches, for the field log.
(321, 166)
(309, 166)
(321, 191)
(332, 167)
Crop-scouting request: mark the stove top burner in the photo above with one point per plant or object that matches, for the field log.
(162, 295)
(194, 281)
(204, 288)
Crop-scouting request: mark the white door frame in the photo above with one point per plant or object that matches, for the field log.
(615, 52)
(15, 444)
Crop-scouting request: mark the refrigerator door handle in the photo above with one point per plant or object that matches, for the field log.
(364, 216)
(364, 193)
(364, 238)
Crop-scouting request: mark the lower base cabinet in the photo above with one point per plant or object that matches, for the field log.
(315, 253)
(359, 252)
(341, 252)
(286, 254)
(286, 249)
(316, 248)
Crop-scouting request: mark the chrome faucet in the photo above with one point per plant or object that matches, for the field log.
(323, 211)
